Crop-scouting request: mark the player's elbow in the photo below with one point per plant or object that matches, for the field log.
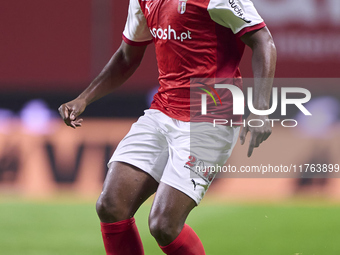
(264, 47)
(265, 42)
(270, 45)
(260, 40)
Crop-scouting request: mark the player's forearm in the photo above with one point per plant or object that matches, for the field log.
(120, 67)
(114, 74)
(263, 64)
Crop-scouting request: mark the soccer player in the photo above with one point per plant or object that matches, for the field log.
(193, 39)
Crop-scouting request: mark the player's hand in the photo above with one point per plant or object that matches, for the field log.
(258, 134)
(70, 112)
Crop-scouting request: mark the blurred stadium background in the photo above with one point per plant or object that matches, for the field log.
(50, 175)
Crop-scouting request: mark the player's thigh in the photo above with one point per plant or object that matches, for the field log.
(125, 188)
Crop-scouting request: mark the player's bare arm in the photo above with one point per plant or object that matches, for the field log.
(120, 67)
(263, 64)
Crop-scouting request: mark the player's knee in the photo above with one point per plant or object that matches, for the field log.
(109, 209)
(163, 229)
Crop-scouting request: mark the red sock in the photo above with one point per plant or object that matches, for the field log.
(186, 243)
(122, 238)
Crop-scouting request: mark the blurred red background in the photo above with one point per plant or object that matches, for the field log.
(61, 45)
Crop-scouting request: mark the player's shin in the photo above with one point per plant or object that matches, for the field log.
(122, 238)
(187, 243)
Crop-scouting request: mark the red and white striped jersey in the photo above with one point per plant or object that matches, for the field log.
(193, 39)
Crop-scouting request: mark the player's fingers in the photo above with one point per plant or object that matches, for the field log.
(266, 135)
(63, 111)
(71, 124)
(250, 150)
(252, 144)
(78, 122)
(243, 134)
(259, 139)
(73, 115)
(66, 113)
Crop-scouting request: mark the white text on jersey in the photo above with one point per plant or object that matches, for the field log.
(170, 34)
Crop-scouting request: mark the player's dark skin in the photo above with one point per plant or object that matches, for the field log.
(127, 187)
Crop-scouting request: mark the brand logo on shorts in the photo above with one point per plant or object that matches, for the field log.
(205, 186)
(182, 6)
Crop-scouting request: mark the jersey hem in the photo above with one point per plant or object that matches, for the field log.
(251, 28)
(134, 163)
(133, 43)
(189, 119)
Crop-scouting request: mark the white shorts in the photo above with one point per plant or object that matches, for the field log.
(171, 151)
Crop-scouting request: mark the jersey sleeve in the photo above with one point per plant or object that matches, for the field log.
(238, 15)
(136, 31)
